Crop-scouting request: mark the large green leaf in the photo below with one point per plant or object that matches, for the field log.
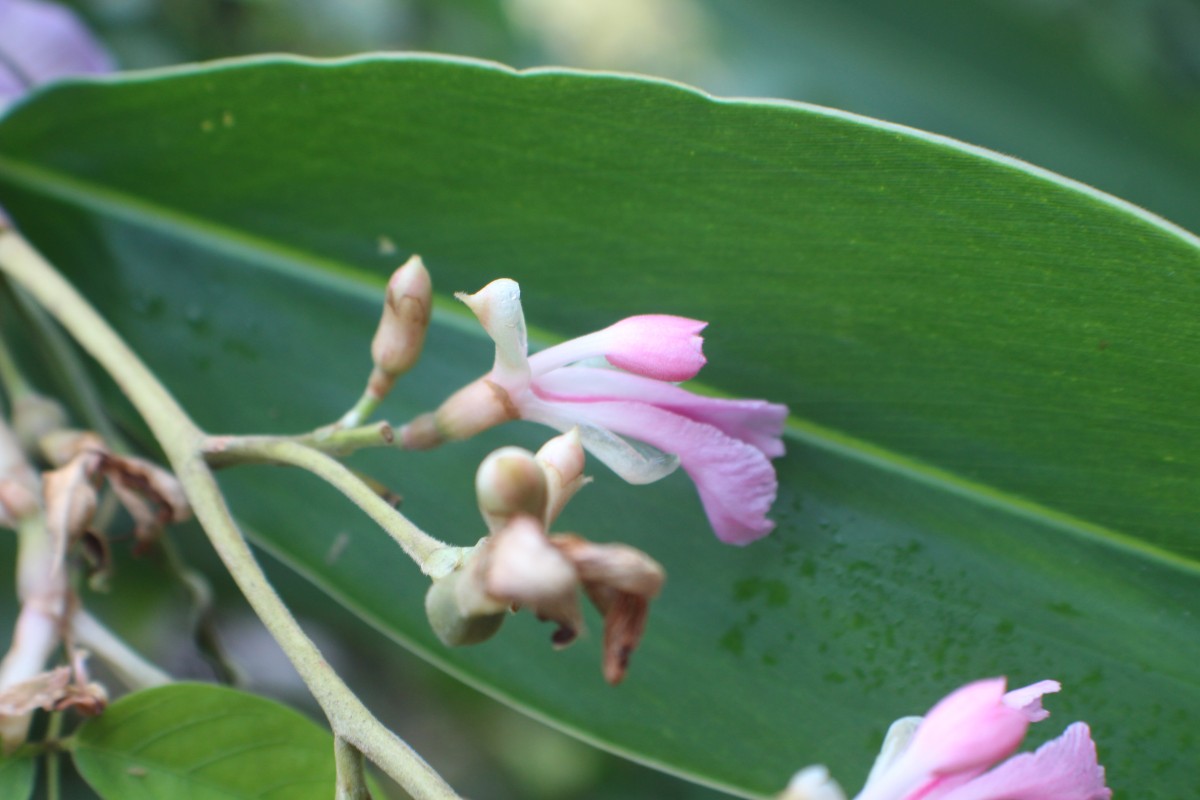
(202, 742)
(991, 371)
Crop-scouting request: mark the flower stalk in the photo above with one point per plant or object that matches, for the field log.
(183, 443)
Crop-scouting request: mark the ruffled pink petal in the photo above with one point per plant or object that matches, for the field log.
(40, 42)
(1028, 699)
(755, 422)
(968, 731)
(658, 346)
(1063, 769)
(736, 482)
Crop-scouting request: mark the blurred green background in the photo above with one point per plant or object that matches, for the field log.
(1103, 91)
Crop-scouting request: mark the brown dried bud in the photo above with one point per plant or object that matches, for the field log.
(70, 493)
(401, 333)
(523, 568)
(55, 690)
(510, 482)
(43, 691)
(152, 495)
(562, 459)
(620, 581)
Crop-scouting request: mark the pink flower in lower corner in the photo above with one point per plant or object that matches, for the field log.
(615, 386)
(952, 754)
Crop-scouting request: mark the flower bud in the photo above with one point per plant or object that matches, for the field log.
(562, 460)
(152, 495)
(813, 783)
(401, 332)
(523, 568)
(71, 499)
(35, 415)
(620, 581)
(459, 611)
(510, 481)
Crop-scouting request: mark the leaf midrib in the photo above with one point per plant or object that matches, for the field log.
(342, 277)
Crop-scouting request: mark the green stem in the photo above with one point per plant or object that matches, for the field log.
(361, 411)
(331, 440)
(14, 383)
(53, 731)
(182, 442)
(351, 778)
(127, 664)
(430, 554)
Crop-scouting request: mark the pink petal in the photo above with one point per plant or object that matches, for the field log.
(755, 422)
(41, 42)
(968, 731)
(736, 482)
(1063, 769)
(1028, 699)
(658, 346)
(971, 728)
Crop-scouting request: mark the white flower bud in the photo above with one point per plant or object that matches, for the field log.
(509, 482)
(813, 783)
(562, 459)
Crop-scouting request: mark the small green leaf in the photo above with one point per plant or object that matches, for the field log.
(16, 777)
(197, 741)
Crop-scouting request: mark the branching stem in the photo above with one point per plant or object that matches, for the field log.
(424, 549)
(351, 778)
(183, 443)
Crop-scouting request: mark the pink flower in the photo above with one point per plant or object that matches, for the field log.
(951, 753)
(40, 42)
(630, 417)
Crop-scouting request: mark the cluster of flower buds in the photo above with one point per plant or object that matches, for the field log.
(958, 751)
(521, 565)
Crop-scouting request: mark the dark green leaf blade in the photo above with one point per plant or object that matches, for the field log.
(204, 742)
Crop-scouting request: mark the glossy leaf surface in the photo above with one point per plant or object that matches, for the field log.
(203, 742)
(991, 371)
(17, 776)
